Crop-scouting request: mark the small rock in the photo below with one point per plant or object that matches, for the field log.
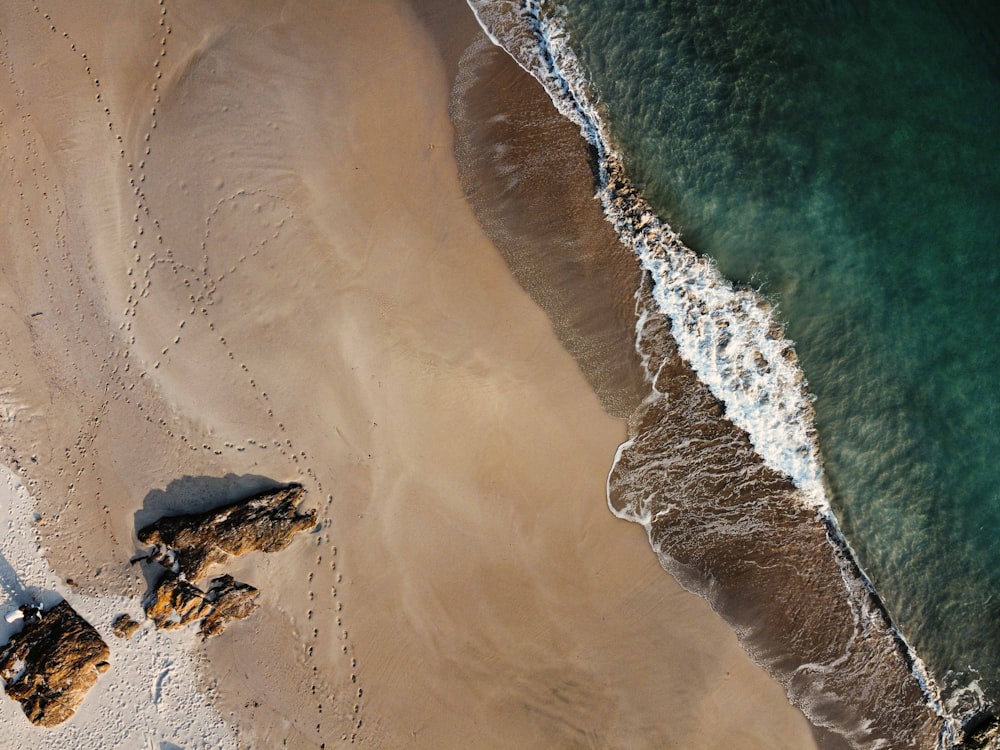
(124, 626)
(231, 600)
(176, 603)
(186, 546)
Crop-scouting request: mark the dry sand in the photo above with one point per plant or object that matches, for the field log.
(245, 232)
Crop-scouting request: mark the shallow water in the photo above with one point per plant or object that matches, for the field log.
(841, 157)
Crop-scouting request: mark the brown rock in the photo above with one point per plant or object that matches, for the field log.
(124, 626)
(176, 603)
(231, 600)
(266, 522)
(51, 664)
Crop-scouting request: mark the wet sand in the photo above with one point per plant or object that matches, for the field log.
(255, 259)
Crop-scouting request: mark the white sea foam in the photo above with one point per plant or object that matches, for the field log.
(729, 336)
(147, 699)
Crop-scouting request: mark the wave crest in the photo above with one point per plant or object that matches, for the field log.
(729, 336)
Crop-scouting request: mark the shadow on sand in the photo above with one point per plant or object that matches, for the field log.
(200, 494)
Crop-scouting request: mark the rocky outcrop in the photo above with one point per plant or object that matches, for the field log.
(51, 664)
(188, 545)
(124, 626)
(265, 522)
(176, 603)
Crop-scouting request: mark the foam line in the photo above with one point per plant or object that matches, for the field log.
(729, 336)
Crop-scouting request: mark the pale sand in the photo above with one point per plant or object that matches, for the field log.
(150, 699)
(309, 297)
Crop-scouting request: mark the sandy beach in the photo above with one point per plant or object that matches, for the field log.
(237, 248)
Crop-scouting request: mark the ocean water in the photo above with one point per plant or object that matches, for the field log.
(844, 157)
(840, 159)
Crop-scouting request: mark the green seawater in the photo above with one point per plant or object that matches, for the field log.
(843, 158)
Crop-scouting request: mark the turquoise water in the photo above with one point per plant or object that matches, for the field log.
(843, 158)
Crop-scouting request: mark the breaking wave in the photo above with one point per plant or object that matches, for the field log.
(732, 340)
(729, 336)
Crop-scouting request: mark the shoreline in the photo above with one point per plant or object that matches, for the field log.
(527, 34)
(315, 300)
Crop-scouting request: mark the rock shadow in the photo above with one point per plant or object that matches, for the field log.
(197, 494)
(10, 582)
(13, 593)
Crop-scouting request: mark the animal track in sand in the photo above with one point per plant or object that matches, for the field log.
(273, 214)
(343, 713)
(72, 301)
(151, 257)
(147, 260)
(60, 269)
